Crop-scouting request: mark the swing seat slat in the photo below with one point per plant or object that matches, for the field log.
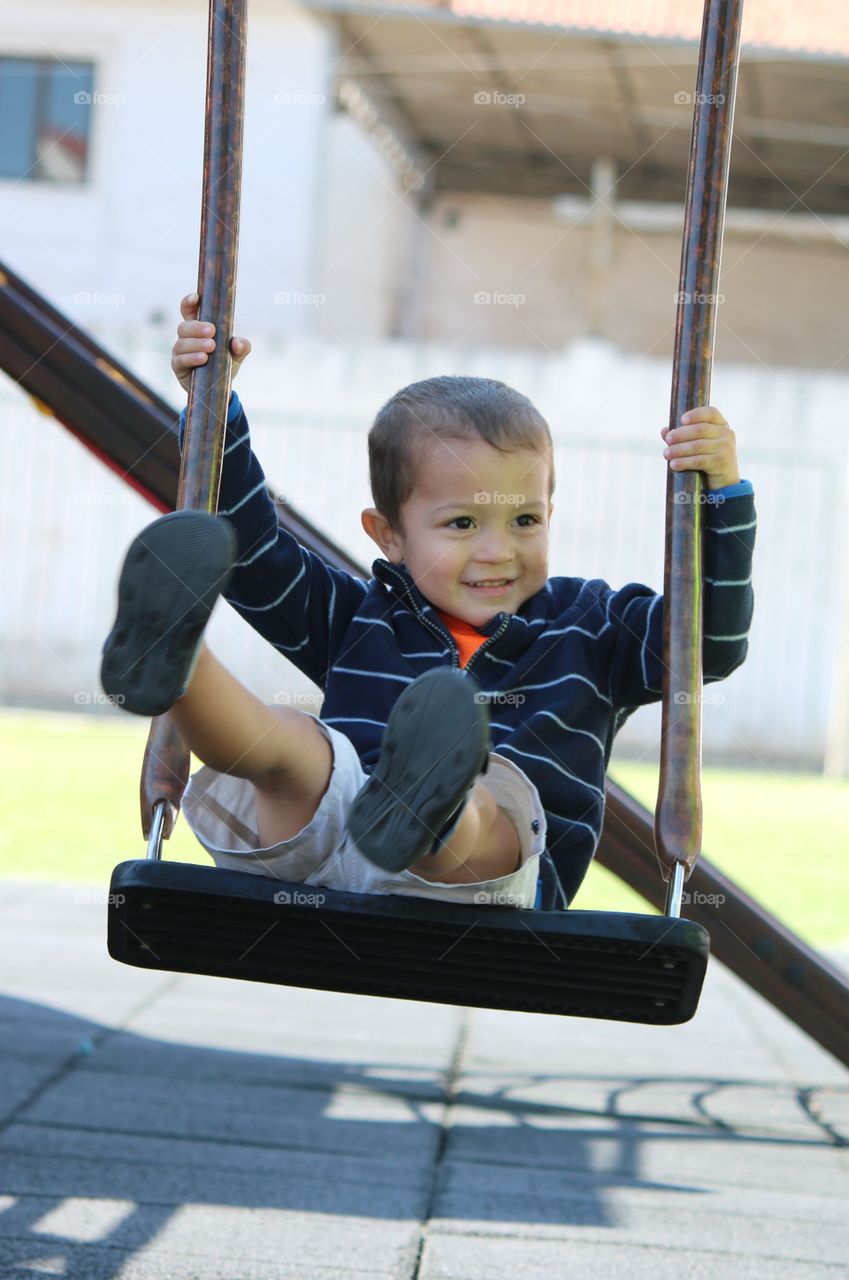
(195, 919)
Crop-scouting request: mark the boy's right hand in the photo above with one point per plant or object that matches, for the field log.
(195, 341)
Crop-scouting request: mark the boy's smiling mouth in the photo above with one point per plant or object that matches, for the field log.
(490, 584)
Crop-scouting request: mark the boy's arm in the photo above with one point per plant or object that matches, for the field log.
(637, 613)
(287, 593)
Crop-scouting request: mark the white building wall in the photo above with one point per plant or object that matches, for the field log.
(129, 236)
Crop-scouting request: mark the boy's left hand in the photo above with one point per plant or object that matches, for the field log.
(703, 442)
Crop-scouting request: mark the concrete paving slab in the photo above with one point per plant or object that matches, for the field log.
(313, 1119)
(473, 1257)
(189, 1128)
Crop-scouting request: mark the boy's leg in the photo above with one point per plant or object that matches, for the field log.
(424, 808)
(154, 660)
(483, 846)
(281, 751)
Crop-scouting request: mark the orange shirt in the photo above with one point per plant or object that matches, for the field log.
(466, 637)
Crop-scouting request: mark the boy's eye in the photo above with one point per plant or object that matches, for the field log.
(531, 519)
(461, 522)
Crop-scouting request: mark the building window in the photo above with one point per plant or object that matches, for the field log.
(45, 109)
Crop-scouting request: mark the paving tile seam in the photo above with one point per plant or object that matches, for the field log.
(282, 1148)
(588, 1185)
(589, 1235)
(452, 1079)
(74, 1057)
(88, 1066)
(706, 1125)
(249, 1144)
(602, 1178)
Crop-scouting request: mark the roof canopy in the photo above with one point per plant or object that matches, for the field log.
(480, 104)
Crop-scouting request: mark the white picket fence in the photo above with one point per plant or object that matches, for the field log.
(65, 520)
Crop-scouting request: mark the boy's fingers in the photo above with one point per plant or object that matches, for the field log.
(704, 413)
(195, 329)
(240, 347)
(189, 305)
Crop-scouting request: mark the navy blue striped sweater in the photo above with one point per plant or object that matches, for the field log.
(562, 675)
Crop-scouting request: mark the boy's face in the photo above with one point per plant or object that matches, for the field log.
(474, 533)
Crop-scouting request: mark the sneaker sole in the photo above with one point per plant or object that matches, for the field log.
(435, 744)
(172, 575)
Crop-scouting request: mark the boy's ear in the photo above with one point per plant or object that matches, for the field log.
(381, 531)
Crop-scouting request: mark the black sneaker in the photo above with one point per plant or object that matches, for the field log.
(435, 744)
(173, 573)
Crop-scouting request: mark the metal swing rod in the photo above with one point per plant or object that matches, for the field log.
(165, 770)
(678, 814)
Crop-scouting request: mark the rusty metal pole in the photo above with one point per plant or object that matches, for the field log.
(678, 816)
(166, 764)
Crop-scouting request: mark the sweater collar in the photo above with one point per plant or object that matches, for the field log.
(397, 577)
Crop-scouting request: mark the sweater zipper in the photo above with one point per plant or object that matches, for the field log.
(441, 633)
(496, 635)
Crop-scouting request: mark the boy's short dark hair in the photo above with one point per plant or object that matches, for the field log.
(448, 408)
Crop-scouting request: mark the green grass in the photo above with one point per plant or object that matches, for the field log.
(69, 793)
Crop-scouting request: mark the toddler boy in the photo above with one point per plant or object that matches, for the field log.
(384, 792)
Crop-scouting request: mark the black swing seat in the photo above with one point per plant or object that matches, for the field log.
(231, 924)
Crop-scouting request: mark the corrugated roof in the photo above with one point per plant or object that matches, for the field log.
(816, 26)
